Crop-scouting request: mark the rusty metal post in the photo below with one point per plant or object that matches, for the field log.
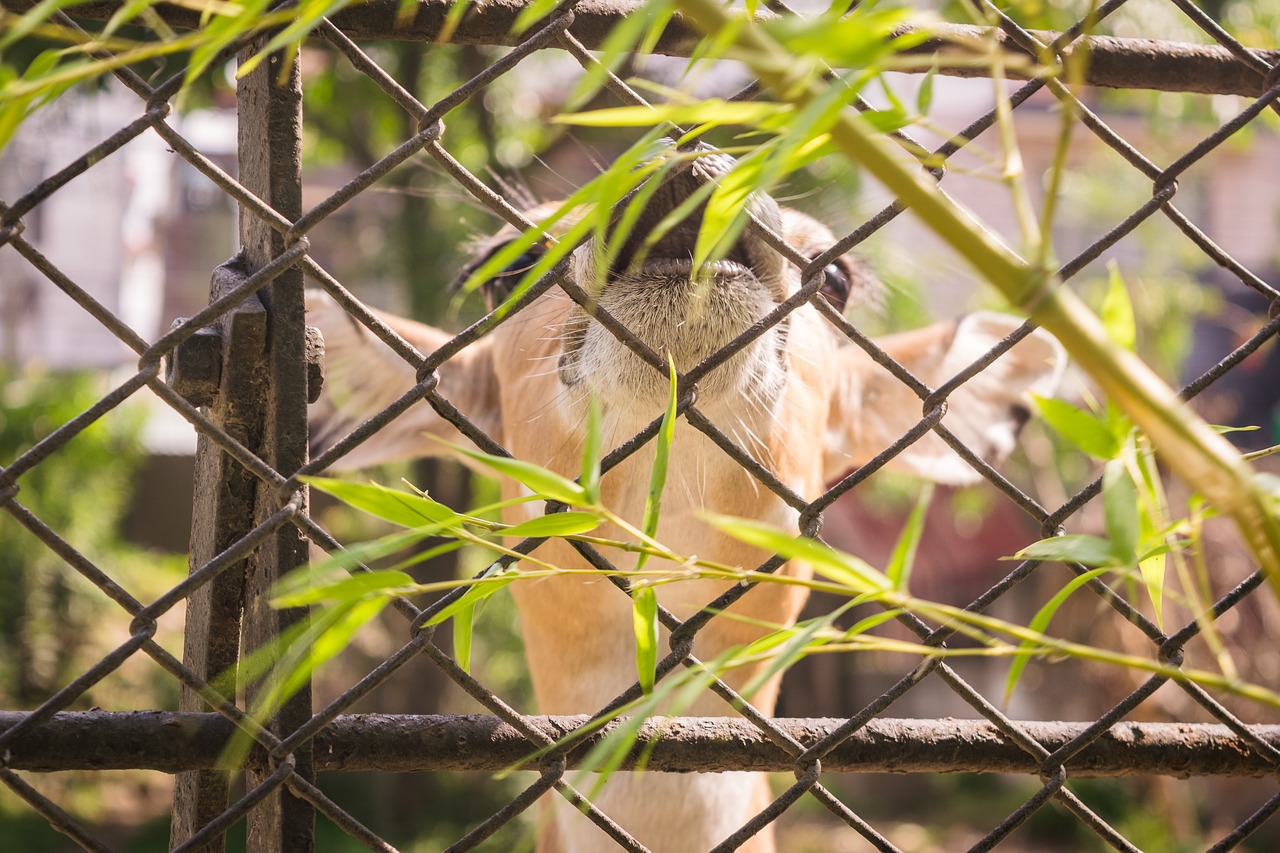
(270, 145)
(223, 512)
(258, 393)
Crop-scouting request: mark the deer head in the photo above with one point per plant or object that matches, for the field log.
(799, 398)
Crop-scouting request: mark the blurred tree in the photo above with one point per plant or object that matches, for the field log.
(51, 620)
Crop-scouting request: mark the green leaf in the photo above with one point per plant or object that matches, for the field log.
(875, 620)
(25, 25)
(591, 450)
(532, 12)
(644, 607)
(597, 197)
(635, 34)
(662, 454)
(419, 557)
(712, 112)
(547, 485)
(308, 17)
(799, 641)
(611, 236)
(1040, 623)
(1153, 525)
(569, 523)
(463, 622)
(337, 564)
(1071, 548)
(405, 10)
(1152, 569)
(1081, 428)
(725, 215)
(352, 588)
(836, 566)
(644, 619)
(924, 95)
(1120, 511)
(126, 13)
(391, 505)
(904, 551)
(480, 589)
(1117, 310)
(887, 121)
(452, 18)
(289, 661)
(860, 39)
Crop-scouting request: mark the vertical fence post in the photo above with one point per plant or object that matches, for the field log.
(222, 512)
(262, 402)
(269, 102)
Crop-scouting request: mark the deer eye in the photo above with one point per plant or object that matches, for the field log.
(521, 265)
(498, 287)
(836, 286)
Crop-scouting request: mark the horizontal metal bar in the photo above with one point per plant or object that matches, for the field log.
(171, 742)
(1127, 63)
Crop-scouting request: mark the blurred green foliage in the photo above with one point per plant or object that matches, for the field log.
(53, 622)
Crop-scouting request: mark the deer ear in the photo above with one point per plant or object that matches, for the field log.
(363, 376)
(871, 408)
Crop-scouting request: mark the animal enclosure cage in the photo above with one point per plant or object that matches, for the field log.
(242, 370)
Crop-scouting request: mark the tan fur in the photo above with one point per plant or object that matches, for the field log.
(802, 401)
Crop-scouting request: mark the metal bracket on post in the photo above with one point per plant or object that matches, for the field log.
(223, 512)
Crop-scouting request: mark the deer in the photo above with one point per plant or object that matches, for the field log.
(801, 399)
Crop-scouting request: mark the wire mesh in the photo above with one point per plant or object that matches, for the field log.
(1056, 755)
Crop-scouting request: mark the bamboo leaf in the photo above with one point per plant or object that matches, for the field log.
(1117, 310)
(463, 623)
(725, 214)
(388, 504)
(352, 588)
(1079, 427)
(1120, 511)
(903, 558)
(591, 450)
(611, 235)
(836, 566)
(457, 10)
(713, 112)
(27, 24)
(1152, 570)
(632, 34)
(546, 484)
(289, 661)
(569, 523)
(644, 619)
(1184, 440)
(531, 13)
(309, 16)
(644, 607)
(632, 167)
(924, 95)
(1071, 548)
(1040, 625)
(483, 587)
(662, 453)
(860, 39)
(799, 641)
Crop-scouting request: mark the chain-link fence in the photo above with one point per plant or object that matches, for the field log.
(243, 370)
